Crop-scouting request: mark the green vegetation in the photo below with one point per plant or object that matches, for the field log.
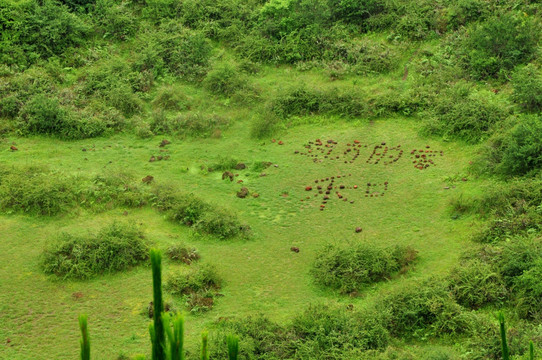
(325, 140)
(114, 248)
(349, 269)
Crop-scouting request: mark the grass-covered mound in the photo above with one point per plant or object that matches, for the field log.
(181, 253)
(320, 332)
(115, 247)
(198, 286)
(203, 217)
(350, 268)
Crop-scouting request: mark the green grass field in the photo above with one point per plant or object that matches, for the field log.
(261, 275)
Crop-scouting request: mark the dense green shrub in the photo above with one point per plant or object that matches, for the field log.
(493, 48)
(115, 20)
(474, 284)
(185, 52)
(225, 80)
(259, 338)
(114, 189)
(513, 208)
(351, 268)
(197, 286)
(190, 210)
(355, 11)
(115, 247)
(183, 254)
(527, 82)
(528, 290)
(424, 309)
(336, 333)
(484, 343)
(193, 280)
(519, 150)
(196, 124)
(302, 101)
(171, 98)
(17, 89)
(462, 12)
(518, 257)
(35, 191)
(319, 332)
(464, 114)
(44, 115)
(160, 10)
(37, 30)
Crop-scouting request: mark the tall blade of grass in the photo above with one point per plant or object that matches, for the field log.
(158, 341)
(85, 340)
(505, 351)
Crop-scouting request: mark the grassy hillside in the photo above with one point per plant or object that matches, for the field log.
(431, 224)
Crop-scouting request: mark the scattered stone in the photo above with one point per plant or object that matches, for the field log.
(294, 249)
(147, 179)
(13, 148)
(164, 143)
(358, 229)
(281, 143)
(308, 188)
(463, 179)
(152, 159)
(240, 166)
(243, 193)
(227, 174)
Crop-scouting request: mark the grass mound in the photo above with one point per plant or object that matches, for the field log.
(183, 254)
(197, 286)
(320, 332)
(116, 247)
(203, 217)
(349, 269)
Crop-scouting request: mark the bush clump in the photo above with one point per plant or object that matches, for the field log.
(38, 30)
(494, 47)
(425, 309)
(35, 191)
(42, 115)
(474, 284)
(203, 217)
(319, 332)
(349, 269)
(513, 209)
(461, 113)
(194, 124)
(171, 98)
(114, 248)
(516, 151)
(527, 83)
(303, 101)
(225, 80)
(198, 286)
(183, 254)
